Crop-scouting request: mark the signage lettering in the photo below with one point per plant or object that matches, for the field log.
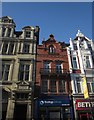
(83, 105)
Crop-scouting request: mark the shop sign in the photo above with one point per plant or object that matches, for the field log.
(84, 104)
(53, 103)
(85, 88)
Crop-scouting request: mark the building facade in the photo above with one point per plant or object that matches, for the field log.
(18, 54)
(52, 99)
(81, 63)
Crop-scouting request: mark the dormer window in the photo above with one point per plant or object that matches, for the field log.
(3, 32)
(51, 49)
(28, 34)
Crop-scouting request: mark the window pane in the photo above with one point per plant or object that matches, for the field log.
(74, 62)
(44, 85)
(61, 85)
(3, 32)
(24, 72)
(58, 68)
(89, 87)
(9, 31)
(5, 46)
(27, 75)
(75, 46)
(51, 49)
(52, 85)
(79, 84)
(11, 47)
(28, 34)
(5, 71)
(93, 87)
(26, 48)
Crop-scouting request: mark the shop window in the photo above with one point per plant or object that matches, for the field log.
(51, 49)
(61, 85)
(28, 34)
(5, 71)
(26, 48)
(24, 72)
(74, 62)
(53, 86)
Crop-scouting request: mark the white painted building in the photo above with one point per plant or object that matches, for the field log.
(81, 62)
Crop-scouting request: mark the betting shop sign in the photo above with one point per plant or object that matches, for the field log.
(84, 104)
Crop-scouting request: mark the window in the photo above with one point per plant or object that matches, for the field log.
(9, 32)
(53, 85)
(61, 85)
(28, 34)
(47, 67)
(44, 85)
(11, 48)
(3, 32)
(88, 62)
(58, 68)
(75, 46)
(8, 48)
(24, 72)
(74, 62)
(78, 85)
(5, 47)
(5, 71)
(89, 46)
(22, 95)
(51, 49)
(26, 48)
(90, 84)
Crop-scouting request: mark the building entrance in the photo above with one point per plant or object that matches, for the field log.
(20, 112)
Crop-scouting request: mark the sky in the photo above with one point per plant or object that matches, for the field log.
(62, 19)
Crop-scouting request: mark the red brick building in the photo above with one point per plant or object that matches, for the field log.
(52, 86)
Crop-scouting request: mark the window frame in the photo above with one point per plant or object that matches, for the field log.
(23, 72)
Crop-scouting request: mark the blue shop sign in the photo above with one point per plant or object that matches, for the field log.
(54, 102)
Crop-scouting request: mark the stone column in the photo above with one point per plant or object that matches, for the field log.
(30, 72)
(6, 32)
(28, 111)
(16, 70)
(30, 51)
(1, 32)
(10, 71)
(10, 109)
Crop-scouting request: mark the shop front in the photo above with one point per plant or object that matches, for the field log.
(53, 108)
(85, 109)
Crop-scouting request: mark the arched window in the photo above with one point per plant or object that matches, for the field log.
(51, 49)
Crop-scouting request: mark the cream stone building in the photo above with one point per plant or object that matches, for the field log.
(18, 54)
